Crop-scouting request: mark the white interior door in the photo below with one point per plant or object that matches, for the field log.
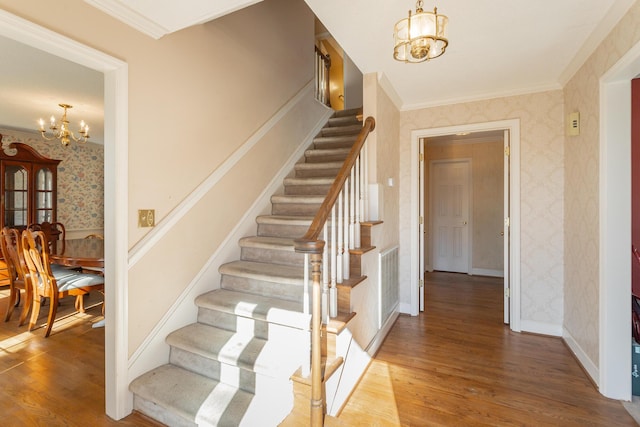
(505, 233)
(450, 211)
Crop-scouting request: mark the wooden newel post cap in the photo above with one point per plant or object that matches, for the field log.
(309, 246)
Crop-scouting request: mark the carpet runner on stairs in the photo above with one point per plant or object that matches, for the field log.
(233, 367)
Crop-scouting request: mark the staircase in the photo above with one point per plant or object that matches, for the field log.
(234, 367)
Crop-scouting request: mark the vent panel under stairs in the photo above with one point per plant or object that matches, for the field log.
(234, 366)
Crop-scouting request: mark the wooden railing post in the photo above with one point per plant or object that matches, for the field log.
(315, 249)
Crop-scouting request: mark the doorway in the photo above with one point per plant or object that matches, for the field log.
(511, 225)
(115, 192)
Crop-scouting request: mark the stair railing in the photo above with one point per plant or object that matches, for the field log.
(338, 221)
(322, 66)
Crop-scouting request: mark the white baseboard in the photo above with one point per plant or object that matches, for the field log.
(541, 328)
(487, 272)
(378, 339)
(585, 361)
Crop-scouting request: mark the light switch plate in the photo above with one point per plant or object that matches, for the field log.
(146, 218)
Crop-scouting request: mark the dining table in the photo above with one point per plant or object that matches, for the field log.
(87, 254)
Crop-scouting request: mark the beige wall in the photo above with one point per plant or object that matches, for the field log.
(80, 180)
(541, 192)
(581, 220)
(382, 152)
(487, 168)
(194, 97)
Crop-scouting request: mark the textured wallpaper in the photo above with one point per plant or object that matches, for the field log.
(542, 191)
(80, 178)
(582, 181)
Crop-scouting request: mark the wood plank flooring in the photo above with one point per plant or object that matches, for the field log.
(55, 381)
(456, 364)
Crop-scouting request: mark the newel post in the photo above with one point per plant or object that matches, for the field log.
(315, 249)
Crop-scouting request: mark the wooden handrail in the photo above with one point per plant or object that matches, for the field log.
(307, 244)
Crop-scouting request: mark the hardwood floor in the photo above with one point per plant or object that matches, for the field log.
(55, 381)
(456, 364)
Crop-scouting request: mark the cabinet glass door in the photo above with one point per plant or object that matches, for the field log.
(16, 196)
(44, 196)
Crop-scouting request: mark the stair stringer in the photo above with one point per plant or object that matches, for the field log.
(154, 351)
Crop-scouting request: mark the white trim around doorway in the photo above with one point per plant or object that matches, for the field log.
(117, 396)
(513, 125)
(613, 376)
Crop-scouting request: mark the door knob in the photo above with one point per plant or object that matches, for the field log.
(502, 233)
(464, 223)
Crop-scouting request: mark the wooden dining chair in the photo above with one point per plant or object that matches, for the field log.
(11, 245)
(53, 231)
(53, 284)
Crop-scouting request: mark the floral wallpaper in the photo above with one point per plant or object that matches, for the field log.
(542, 192)
(80, 178)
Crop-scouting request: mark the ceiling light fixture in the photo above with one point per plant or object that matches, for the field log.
(61, 130)
(421, 36)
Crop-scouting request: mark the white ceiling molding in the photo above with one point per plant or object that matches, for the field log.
(157, 19)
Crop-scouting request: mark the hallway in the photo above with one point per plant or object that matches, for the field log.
(457, 364)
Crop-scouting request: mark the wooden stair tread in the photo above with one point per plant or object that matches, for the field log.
(329, 366)
(352, 282)
(361, 250)
(339, 323)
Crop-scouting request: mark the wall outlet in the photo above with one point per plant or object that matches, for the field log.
(146, 218)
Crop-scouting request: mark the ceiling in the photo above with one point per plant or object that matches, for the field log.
(496, 48)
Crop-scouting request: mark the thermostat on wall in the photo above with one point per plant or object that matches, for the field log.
(574, 124)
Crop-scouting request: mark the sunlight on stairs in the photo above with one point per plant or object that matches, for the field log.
(234, 366)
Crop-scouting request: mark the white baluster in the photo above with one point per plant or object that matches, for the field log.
(325, 278)
(365, 182)
(340, 253)
(333, 296)
(307, 286)
(356, 234)
(345, 255)
(352, 210)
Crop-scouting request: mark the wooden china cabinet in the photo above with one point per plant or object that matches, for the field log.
(28, 190)
(28, 184)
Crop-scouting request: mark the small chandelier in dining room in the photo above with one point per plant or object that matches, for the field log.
(60, 129)
(421, 36)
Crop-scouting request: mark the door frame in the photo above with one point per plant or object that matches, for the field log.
(513, 126)
(614, 321)
(469, 163)
(117, 396)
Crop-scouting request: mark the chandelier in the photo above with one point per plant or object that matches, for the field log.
(420, 37)
(60, 130)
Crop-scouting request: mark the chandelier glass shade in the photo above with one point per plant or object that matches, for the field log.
(60, 129)
(421, 36)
